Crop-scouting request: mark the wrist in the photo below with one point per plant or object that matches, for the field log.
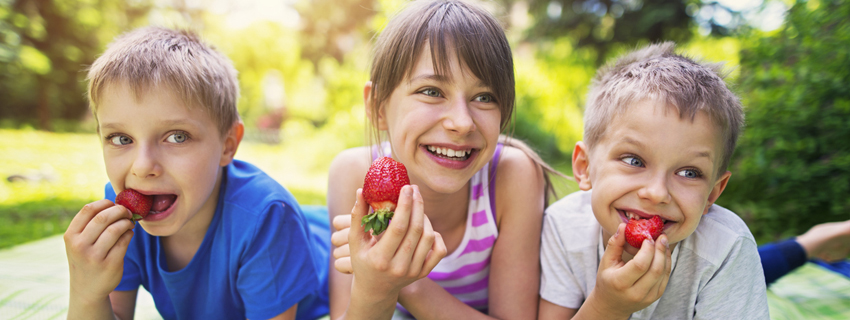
(369, 302)
(596, 307)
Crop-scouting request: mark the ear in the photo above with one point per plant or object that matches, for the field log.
(231, 143)
(581, 166)
(718, 188)
(380, 121)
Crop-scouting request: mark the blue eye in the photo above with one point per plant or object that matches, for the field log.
(119, 140)
(690, 173)
(431, 92)
(177, 137)
(632, 161)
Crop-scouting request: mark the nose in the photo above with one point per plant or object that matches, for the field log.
(145, 164)
(458, 118)
(655, 190)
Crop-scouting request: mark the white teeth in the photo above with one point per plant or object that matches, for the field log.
(449, 152)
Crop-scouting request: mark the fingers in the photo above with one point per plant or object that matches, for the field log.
(342, 252)
(340, 238)
(415, 230)
(397, 230)
(79, 222)
(356, 235)
(114, 232)
(102, 220)
(640, 264)
(343, 265)
(437, 253)
(614, 250)
(117, 251)
(426, 242)
(342, 221)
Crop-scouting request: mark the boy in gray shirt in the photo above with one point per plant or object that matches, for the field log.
(659, 131)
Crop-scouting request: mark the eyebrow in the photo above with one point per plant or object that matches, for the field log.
(167, 123)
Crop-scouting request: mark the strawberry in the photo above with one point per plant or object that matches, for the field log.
(639, 229)
(380, 190)
(137, 203)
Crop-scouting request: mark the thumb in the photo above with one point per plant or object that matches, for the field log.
(614, 251)
(356, 235)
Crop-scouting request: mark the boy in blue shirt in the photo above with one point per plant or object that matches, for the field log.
(223, 240)
(659, 132)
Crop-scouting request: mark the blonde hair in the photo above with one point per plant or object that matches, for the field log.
(449, 27)
(657, 73)
(152, 57)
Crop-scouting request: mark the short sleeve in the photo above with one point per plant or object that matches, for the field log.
(558, 283)
(277, 270)
(737, 290)
(131, 278)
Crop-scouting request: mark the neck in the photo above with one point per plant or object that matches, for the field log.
(446, 211)
(181, 247)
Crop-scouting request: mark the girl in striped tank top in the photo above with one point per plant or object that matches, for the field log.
(464, 241)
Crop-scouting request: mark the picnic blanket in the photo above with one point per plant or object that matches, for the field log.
(816, 290)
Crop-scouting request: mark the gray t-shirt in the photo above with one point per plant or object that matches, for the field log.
(716, 271)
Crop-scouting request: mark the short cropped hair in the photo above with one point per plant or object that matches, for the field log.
(656, 72)
(452, 28)
(152, 57)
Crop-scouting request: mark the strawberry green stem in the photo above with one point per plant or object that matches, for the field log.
(377, 221)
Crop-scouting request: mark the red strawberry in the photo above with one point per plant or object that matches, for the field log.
(380, 190)
(137, 203)
(639, 229)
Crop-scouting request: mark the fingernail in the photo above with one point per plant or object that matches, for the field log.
(664, 242)
(408, 190)
(617, 233)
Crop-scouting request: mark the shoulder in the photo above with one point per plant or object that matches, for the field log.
(720, 233)
(249, 188)
(519, 185)
(351, 159)
(572, 218)
(514, 162)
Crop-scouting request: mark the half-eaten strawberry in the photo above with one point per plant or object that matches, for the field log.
(638, 230)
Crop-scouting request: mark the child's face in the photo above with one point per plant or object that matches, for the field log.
(651, 162)
(161, 147)
(443, 130)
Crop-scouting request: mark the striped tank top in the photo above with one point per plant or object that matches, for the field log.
(465, 272)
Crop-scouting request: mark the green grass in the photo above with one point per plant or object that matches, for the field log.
(66, 171)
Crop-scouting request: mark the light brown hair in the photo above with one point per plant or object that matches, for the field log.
(656, 72)
(159, 58)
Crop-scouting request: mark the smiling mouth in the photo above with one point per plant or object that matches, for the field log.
(450, 154)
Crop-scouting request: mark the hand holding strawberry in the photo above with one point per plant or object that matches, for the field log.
(623, 288)
(381, 188)
(95, 243)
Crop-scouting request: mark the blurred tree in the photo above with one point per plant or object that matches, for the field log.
(332, 27)
(44, 48)
(792, 167)
(605, 25)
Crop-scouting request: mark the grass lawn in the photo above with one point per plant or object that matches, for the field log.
(64, 171)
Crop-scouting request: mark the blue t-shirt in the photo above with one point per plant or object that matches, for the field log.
(258, 257)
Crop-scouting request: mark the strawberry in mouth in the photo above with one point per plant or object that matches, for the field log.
(450, 154)
(639, 228)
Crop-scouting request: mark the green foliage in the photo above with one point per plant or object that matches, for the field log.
(792, 167)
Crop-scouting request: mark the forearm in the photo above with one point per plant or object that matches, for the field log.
(368, 305)
(593, 309)
(81, 308)
(425, 299)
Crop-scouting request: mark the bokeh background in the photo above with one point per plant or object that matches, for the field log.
(302, 65)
